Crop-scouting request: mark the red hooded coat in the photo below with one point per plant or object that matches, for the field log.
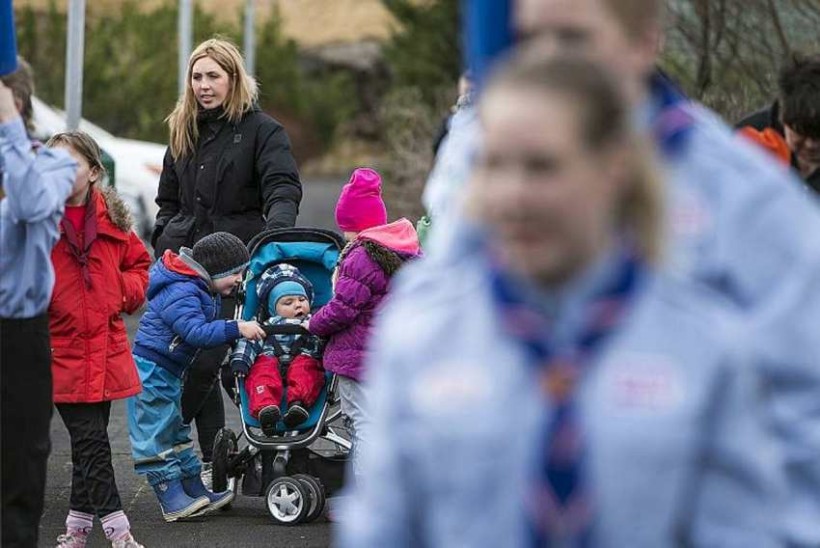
(91, 358)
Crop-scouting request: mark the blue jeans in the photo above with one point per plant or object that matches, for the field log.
(160, 442)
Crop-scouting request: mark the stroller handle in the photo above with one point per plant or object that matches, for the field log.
(287, 329)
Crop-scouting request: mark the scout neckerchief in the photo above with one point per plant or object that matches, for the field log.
(560, 508)
(672, 119)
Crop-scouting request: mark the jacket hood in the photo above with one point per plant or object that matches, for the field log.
(399, 236)
(390, 245)
(115, 209)
(173, 268)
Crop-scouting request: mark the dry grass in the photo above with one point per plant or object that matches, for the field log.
(311, 23)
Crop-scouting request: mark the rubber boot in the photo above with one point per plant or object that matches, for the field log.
(194, 488)
(175, 503)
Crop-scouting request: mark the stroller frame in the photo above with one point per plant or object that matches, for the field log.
(230, 464)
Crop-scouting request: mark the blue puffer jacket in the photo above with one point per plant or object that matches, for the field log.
(181, 315)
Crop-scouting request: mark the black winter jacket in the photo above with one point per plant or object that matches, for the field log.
(241, 179)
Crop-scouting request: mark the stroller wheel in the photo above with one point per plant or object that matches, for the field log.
(225, 446)
(316, 492)
(288, 501)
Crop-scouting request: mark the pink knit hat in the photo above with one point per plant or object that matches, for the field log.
(360, 205)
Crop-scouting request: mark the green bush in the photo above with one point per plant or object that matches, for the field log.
(426, 52)
(322, 98)
(424, 60)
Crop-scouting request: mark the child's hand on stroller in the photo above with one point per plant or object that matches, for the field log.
(306, 325)
(251, 330)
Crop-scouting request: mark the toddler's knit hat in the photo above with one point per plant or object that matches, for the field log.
(360, 204)
(280, 280)
(221, 254)
(284, 289)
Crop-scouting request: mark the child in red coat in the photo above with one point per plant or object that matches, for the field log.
(101, 270)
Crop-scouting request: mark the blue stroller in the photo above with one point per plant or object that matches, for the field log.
(293, 470)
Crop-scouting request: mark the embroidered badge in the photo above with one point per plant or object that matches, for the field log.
(645, 383)
(456, 387)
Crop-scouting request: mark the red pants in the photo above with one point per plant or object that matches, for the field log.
(305, 378)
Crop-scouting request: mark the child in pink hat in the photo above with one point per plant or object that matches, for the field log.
(360, 204)
(376, 250)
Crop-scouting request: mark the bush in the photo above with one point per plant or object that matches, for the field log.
(410, 126)
(424, 60)
(426, 53)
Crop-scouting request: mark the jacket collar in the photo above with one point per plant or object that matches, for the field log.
(186, 258)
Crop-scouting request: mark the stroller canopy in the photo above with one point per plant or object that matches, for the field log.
(315, 260)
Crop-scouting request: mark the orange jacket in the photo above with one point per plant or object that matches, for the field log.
(771, 140)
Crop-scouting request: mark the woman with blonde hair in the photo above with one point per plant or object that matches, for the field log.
(228, 168)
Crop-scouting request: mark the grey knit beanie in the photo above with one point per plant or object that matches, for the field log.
(221, 254)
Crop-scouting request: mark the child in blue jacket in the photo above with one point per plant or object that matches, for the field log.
(183, 306)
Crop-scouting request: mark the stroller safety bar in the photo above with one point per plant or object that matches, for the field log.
(284, 329)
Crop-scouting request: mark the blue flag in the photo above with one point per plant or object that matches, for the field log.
(8, 41)
(488, 33)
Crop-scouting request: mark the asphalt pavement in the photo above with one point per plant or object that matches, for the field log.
(247, 523)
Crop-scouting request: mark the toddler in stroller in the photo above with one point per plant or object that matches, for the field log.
(294, 466)
(286, 296)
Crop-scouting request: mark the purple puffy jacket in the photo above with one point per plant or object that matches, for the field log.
(362, 280)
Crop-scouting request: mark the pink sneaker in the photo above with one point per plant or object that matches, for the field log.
(127, 542)
(72, 539)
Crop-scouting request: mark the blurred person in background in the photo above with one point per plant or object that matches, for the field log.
(790, 127)
(451, 169)
(21, 84)
(464, 95)
(228, 168)
(555, 387)
(446, 180)
(33, 191)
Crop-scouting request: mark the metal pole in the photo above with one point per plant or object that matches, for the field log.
(74, 64)
(185, 30)
(250, 38)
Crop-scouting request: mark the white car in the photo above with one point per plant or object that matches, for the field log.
(137, 164)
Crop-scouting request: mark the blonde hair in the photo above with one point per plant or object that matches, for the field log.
(604, 122)
(182, 122)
